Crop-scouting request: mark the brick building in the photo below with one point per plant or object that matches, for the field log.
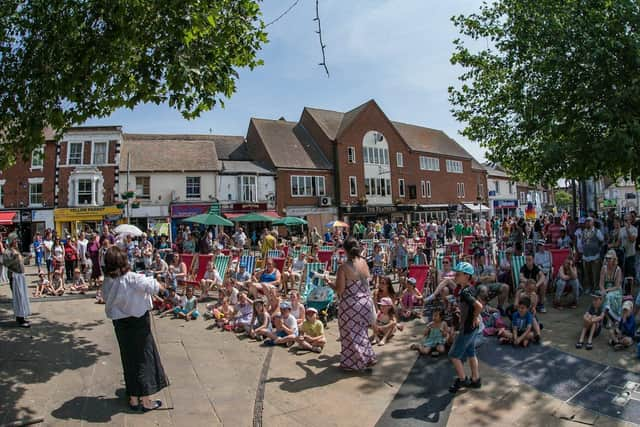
(27, 193)
(372, 166)
(86, 178)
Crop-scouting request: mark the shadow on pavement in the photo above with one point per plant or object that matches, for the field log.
(35, 356)
(92, 409)
(329, 374)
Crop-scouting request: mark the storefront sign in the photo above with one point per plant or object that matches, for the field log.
(246, 207)
(505, 204)
(43, 215)
(25, 215)
(185, 211)
(88, 213)
(303, 211)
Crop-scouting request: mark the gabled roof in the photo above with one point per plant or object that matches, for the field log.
(231, 148)
(328, 120)
(239, 167)
(429, 140)
(289, 145)
(495, 170)
(477, 166)
(169, 153)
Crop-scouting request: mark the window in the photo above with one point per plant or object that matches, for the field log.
(351, 155)
(377, 187)
(429, 189)
(37, 158)
(85, 192)
(401, 187)
(510, 187)
(353, 186)
(248, 188)
(100, 153)
(497, 186)
(374, 156)
(454, 166)
(399, 160)
(460, 190)
(307, 186)
(523, 197)
(429, 163)
(193, 187)
(143, 190)
(35, 193)
(545, 197)
(75, 153)
(423, 189)
(480, 190)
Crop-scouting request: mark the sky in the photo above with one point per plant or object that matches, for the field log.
(394, 51)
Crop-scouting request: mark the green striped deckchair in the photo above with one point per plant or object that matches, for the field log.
(439, 258)
(517, 261)
(327, 248)
(310, 268)
(501, 255)
(295, 253)
(222, 263)
(305, 249)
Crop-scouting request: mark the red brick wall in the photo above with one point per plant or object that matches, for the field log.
(318, 135)
(16, 187)
(283, 188)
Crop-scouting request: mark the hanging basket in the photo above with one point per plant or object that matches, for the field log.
(130, 194)
(120, 205)
(135, 204)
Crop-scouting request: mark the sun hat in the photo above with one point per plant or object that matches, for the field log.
(611, 254)
(385, 301)
(596, 294)
(589, 218)
(627, 305)
(285, 305)
(464, 267)
(311, 310)
(411, 280)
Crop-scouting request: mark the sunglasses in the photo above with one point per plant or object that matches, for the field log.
(446, 262)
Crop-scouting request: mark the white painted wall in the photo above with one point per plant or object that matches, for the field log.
(162, 184)
(504, 189)
(228, 189)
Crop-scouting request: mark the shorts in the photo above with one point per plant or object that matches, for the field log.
(49, 265)
(464, 346)
(377, 271)
(194, 314)
(281, 334)
(38, 260)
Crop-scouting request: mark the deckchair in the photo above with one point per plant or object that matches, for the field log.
(517, 261)
(273, 253)
(421, 274)
(326, 248)
(249, 261)
(325, 256)
(278, 262)
(311, 267)
(467, 245)
(557, 259)
(222, 263)
(202, 262)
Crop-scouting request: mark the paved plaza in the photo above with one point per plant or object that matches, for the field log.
(66, 370)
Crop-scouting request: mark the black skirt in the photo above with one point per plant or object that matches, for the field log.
(143, 371)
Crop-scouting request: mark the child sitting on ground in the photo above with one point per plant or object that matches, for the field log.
(243, 313)
(385, 324)
(592, 321)
(529, 291)
(78, 284)
(188, 308)
(435, 336)
(521, 325)
(42, 286)
(231, 292)
(285, 327)
(260, 321)
(210, 280)
(56, 288)
(169, 303)
(223, 314)
(312, 332)
(411, 301)
(622, 335)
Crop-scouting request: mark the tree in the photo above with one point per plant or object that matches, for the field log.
(64, 61)
(564, 200)
(554, 92)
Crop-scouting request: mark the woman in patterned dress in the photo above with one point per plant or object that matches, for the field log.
(355, 310)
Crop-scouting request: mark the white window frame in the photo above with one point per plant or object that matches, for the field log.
(351, 155)
(69, 144)
(35, 181)
(353, 186)
(523, 197)
(496, 184)
(312, 189)
(429, 163)
(399, 160)
(250, 183)
(401, 188)
(460, 190)
(93, 152)
(454, 166)
(37, 153)
(186, 189)
(480, 190)
(91, 192)
(428, 184)
(510, 187)
(140, 193)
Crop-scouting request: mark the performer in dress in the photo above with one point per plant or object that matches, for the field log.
(127, 297)
(12, 260)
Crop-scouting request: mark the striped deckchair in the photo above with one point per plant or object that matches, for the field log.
(222, 263)
(327, 248)
(246, 252)
(439, 258)
(249, 261)
(501, 255)
(336, 260)
(305, 249)
(311, 267)
(517, 261)
(295, 253)
(274, 253)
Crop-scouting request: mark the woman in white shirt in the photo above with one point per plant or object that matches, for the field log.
(127, 297)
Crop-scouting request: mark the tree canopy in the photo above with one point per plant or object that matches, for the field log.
(65, 61)
(553, 90)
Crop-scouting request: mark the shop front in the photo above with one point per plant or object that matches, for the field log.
(315, 216)
(144, 217)
(180, 211)
(430, 213)
(90, 219)
(233, 210)
(504, 208)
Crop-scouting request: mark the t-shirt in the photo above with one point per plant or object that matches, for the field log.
(485, 270)
(213, 275)
(242, 276)
(291, 323)
(233, 296)
(467, 302)
(521, 323)
(530, 274)
(313, 329)
(595, 311)
(188, 304)
(628, 327)
(298, 265)
(543, 259)
(628, 246)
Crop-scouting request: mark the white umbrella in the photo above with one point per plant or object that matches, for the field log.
(127, 229)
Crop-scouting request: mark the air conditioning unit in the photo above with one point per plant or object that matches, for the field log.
(324, 201)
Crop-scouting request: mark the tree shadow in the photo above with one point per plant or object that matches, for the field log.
(93, 409)
(330, 373)
(36, 355)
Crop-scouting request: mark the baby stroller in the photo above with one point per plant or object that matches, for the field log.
(319, 295)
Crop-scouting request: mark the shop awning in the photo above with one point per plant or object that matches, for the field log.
(476, 208)
(6, 218)
(232, 215)
(434, 206)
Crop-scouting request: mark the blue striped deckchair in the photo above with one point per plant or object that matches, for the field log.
(249, 261)
(310, 268)
(273, 253)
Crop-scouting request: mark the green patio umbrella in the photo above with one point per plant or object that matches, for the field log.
(254, 217)
(209, 219)
(289, 221)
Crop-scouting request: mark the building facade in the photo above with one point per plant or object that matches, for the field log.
(502, 192)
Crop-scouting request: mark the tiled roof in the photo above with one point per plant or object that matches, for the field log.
(477, 166)
(289, 145)
(233, 167)
(170, 153)
(494, 170)
(231, 148)
(428, 140)
(328, 120)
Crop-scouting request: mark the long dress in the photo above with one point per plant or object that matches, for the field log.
(613, 299)
(93, 252)
(355, 311)
(20, 293)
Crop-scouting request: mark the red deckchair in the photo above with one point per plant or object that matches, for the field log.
(421, 274)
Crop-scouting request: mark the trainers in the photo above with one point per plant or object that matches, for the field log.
(457, 385)
(541, 308)
(469, 383)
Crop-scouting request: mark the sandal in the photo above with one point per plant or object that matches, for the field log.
(579, 345)
(589, 346)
